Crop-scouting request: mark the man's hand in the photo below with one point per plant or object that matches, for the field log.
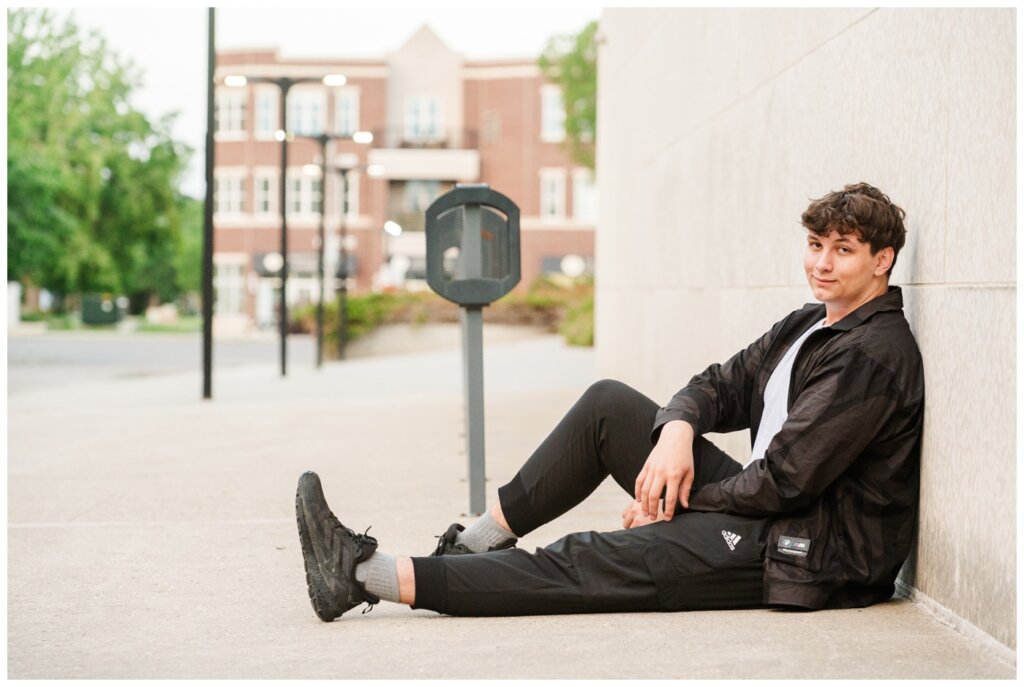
(633, 516)
(669, 467)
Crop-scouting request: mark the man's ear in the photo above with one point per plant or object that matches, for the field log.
(883, 260)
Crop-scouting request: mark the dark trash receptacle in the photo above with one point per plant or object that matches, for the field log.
(100, 308)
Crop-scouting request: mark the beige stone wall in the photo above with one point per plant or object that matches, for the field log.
(717, 126)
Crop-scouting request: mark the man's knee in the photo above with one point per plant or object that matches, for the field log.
(607, 393)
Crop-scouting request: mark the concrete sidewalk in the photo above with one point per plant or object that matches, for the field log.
(151, 534)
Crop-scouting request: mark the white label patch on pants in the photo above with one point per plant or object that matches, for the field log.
(731, 539)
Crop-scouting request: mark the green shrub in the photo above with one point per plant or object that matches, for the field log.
(62, 323)
(185, 325)
(558, 307)
(365, 313)
(578, 324)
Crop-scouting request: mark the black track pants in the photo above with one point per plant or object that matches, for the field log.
(696, 561)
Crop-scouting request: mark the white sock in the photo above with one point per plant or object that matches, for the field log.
(484, 534)
(379, 575)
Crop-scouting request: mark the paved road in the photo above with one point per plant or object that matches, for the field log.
(55, 359)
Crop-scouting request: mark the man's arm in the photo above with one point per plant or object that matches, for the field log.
(718, 399)
(836, 416)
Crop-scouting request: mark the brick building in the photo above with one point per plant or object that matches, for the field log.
(437, 120)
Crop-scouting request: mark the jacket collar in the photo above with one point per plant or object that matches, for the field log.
(891, 300)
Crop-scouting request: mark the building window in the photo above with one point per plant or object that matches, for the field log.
(584, 196)
(423, 120)
(229, 112)
(316, 196)
(266, 112)
(346, 111)
(351, 199)
(552, 194)
(265, 200)
(294, 194)
(228, 286)
(552, 114)
(409, 199)
(419, 194)
(229, 193)
(306, 112)
(304, 194)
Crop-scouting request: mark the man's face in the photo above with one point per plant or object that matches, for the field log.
(841, 270)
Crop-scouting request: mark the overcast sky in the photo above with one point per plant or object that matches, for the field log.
(169, 45)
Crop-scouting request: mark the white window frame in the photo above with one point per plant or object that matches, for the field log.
(265, 121)
(552, 114)
(424, 119)
(230, 110)
(303, 205)
(353, 195)
(229, 189)
(229, 283)
(316, 194)
(552, 194)
(584, 196)
(271, 176)
(307, 111)
(346, 111)
(293, 194)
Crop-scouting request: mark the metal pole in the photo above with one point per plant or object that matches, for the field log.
(343, 256)
(473, 359)
(320, 252)
(284, 85)
(473, 378)
(208, 213)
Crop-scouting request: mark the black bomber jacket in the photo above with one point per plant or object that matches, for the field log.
(840, 479)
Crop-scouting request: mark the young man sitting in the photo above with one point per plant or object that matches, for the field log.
(821, 517)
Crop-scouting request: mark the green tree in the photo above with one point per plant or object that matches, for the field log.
(571, 62)
(92, 204)
(188, 252)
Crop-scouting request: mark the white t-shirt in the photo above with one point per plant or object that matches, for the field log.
(776, 396)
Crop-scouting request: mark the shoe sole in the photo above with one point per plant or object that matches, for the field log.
(315, 585)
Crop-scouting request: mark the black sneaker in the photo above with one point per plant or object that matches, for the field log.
(447, 546)
(330, 552)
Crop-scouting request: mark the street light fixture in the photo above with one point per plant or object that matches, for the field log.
(284, 84)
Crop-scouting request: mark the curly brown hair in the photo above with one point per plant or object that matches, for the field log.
(859, 208)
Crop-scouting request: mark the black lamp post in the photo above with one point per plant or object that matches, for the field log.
(323, 140)
(373, 171)
(284, 84)
(343, 259)
(211, 58)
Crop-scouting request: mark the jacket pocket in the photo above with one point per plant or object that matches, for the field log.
(803, 541)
